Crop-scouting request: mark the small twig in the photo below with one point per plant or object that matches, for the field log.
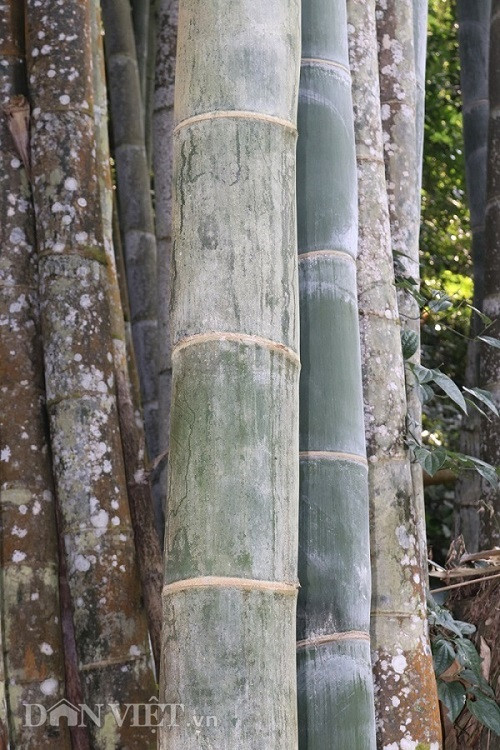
(465, 583)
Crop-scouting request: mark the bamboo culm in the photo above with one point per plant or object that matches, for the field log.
(474, 41)
(32, 647)
(231, 531)
(335, 685)
(398, 620)
(110, 624)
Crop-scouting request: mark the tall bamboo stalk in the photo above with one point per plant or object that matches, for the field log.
(398, 96)
(231, 533)
(405, 692)
(335, 687)
(489, 532)
(110, 625)
(163, 125)
(420, 14)
(32, 651)
(134, 201)
(131, 426)
(474, 38)
(141, 10)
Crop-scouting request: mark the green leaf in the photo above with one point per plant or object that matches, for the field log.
(425, 392)
(431, 461)
(440, 302)
(486, 711)
(487, 471)
(422, 374)
(450, 388)
(490, 340)
(478, 680)
(452, 695)
(442, 617)
(484, 396)
(466, 628)
(467, 655)
(443, 655)
(478, 409)
(409, 343)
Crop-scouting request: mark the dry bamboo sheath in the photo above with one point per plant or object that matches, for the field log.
(231, 534)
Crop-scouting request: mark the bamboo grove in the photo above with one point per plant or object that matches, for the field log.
(212, 522)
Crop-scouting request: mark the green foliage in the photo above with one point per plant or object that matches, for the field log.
(457, 665)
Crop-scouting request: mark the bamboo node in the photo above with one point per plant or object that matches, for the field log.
(332, 456)
(242, 338)
(321, 640)
(238, 115)
(245, 584)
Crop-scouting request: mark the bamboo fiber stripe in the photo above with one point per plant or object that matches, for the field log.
(332, 456)
(327, 63)
(242, 338)
(320, 640)
(333, 253)
(235, 114)
(244, 584)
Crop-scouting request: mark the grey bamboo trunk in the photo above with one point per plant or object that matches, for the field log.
(405, 694)
(489, 532)
(110, 624)
(231, 533)
(134, 201)
(163, 125)
(474, 40)
(335, 687)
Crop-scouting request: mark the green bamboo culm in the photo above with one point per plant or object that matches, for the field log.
(229, 599)
(335, 690)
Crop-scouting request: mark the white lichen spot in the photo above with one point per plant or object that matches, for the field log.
(15, 163)
(5, 454)
(18, 556)
(399, 663)
(81, 237)
(16, 531)
(23, 509)
(70, 184)
(85, 301)
(100, 520)
(35, 596)
(395, 701)
(115, 521)
(46, 649)
(64, 99)
(404, 538)
(134, 651)
(77, 357)
(82, 563)
(49, 687)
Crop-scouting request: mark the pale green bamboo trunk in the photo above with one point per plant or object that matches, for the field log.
(231, 533)
(474, 37)
(489, 533)
(110, 626)
(405, 687)
(335, 688)
(31, 638)
(163, 125)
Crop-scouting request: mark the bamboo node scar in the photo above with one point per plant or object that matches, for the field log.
(238, 115)
(341, 254)
(321, 640)
(244, 584)
(241, 338)
(332, 456)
